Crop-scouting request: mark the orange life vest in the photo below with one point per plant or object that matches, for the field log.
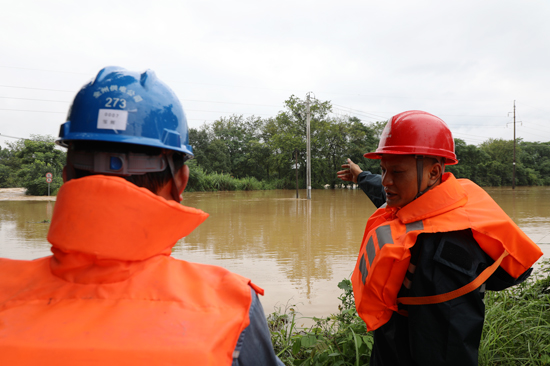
(451, 206)
(111, 294)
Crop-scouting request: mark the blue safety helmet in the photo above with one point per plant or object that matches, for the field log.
(122, 106)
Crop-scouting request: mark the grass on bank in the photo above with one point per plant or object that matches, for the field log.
(517, 323)
(339, 339)
(516, 329)
(201, 181)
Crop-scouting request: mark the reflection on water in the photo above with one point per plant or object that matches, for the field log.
(23, 229)
(292, 248)
(297, 250)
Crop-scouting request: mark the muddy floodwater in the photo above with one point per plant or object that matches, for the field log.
(297, 250)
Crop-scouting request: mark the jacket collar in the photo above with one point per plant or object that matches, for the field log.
(447, 196)
(110, 218)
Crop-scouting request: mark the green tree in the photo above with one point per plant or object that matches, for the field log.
(9, 165)
(286, 133)
(362, 139)
(37, 157)
(536, 156)
(265, 149)
(532, 162)
(500, 150)
(232, 145)
(471, 160)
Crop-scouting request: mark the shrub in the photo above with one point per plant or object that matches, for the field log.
(339, 339)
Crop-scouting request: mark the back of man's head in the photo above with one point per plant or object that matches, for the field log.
(81, 154)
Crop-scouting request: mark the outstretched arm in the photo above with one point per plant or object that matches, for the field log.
(370, 183)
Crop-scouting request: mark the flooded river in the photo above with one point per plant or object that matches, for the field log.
(297, 250)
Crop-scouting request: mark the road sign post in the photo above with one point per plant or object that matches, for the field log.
(49, 180)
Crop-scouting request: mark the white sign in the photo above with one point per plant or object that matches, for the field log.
(48, 180)
(112, 119)
(49, 175)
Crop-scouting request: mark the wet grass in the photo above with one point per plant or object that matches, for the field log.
(516, 329)
(339, 339)
(199, 180)
(517, 323)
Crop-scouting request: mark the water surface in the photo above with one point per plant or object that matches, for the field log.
(297, 250)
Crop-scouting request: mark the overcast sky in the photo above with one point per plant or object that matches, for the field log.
(464, 61)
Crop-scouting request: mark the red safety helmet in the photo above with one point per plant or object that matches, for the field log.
(416, 133)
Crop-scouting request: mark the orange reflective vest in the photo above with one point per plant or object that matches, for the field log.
(451, 206)
(111, 294)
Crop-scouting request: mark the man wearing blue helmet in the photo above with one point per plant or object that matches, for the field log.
(111, 293)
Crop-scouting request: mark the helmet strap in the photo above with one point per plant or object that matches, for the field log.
(420, 173)
(170, 159)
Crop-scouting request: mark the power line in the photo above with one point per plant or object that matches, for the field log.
(348, 112)
(196, 110)
(189, 110)
(251, 113)
(530, 133)
(292, 90)
(201, 119)
(210, 101)
(360, 111)
(28, 110)
(475, 139)
(535, 129)
(352, 114)
(470, 115)
(473, 136)
(187, 100)
(13, 137)
(28, 68)
(442, 115)
(536, 124)
(530, 106)
(26, 87)
(39, 100)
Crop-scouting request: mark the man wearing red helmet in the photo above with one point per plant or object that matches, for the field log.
(430, 252)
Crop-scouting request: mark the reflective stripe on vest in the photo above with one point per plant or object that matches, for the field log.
(383, 236)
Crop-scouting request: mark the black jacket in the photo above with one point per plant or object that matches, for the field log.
(371, 184)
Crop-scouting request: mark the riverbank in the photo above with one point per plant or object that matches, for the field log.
(18, 194)
(515, 332)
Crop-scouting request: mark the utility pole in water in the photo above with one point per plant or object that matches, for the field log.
(514, 163)
(296, 155)
(308, 119)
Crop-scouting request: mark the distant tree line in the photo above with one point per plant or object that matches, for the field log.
(238, 153)
(491, 163)
(265, 150)
(269, 150)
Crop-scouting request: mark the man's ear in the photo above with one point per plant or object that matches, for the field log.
(182, 177)
(435, 172)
